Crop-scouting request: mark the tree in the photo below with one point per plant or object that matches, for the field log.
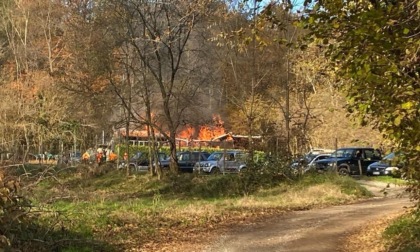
(143, 80)
(247, 65)
(84, 73)
(373, 46)
(34, 46)
(319, 109)
(158, 35)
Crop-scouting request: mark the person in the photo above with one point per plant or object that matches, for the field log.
(125, 156)
(98, 157)
(103, 157)
(112, 156)
(66, 158)
(85, 157)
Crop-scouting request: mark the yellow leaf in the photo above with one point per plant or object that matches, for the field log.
(397, 121)
(407, 105)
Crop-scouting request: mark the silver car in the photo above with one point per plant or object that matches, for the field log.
(308, 163)
(222, 162)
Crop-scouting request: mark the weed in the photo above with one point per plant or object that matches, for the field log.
(156, 199)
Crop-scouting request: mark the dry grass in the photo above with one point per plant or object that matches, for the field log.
(370, 237)
(294, 198)
(320, 194)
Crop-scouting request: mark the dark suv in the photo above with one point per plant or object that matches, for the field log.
(140, 161)
(349, 160)
(187, 160)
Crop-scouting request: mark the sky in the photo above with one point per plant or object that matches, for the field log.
(297, 4)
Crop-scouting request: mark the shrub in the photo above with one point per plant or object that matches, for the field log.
(13, 208)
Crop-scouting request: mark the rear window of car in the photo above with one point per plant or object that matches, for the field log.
(241, 156)
(193, 156)
(342, 153)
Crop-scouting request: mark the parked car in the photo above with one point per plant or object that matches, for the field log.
(317, 151)
(186, 160)
(386, 166)
(75, 157)
(349, 161)
(226, 162)
(139, 162)
(308, 162)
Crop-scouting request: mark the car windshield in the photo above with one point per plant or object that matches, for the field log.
(216, 156)
(390, 156)
(320, 157)
(309, 157)
(137, 155)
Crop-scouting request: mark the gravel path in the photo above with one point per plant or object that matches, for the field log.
(313, 230)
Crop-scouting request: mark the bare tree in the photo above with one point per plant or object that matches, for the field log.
(159, 34)
(33, 51)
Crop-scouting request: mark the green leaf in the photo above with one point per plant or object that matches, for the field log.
(406, 31)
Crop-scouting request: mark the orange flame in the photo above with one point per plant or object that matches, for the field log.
(187, 133)
(206, 132)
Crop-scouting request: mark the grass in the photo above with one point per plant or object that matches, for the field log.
(116, 212)
(404, 233)
(388, 179)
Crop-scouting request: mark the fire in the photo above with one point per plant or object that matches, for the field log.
(205, 132)
(187, 133)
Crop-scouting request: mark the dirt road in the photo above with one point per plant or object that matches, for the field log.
(312, 230)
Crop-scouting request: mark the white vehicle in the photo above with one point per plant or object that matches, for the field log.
(222, 162)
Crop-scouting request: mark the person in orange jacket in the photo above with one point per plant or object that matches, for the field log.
(112, 156)
(85, 157)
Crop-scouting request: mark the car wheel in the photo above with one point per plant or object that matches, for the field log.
(132, 168)
(343, 171)
(215, 170)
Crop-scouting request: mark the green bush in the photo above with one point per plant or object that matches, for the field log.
(259, 156)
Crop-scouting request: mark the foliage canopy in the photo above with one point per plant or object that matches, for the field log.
(374, 46)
